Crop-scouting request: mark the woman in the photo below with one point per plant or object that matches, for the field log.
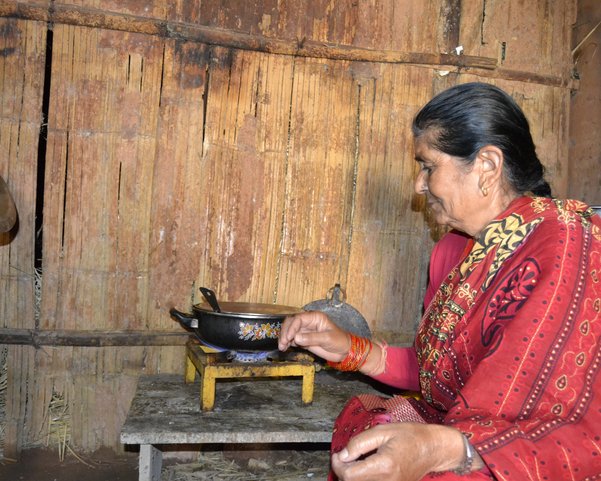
(507, 355)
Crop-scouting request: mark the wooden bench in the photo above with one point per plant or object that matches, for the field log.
(165, 410)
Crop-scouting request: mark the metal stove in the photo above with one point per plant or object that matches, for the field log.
(212, 364)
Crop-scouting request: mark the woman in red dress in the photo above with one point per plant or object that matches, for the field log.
(508, 352)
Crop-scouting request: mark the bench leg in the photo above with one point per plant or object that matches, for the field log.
(151, 462)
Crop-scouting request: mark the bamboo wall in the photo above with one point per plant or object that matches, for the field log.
(260, 148)
(584, 169)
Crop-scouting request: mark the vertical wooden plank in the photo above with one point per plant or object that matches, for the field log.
(177, 203)
(320, 180)
(245, 162)
(99, 399)
(100, 168)
(585, 112)
(100, 164)
(401, 25)
(387, 271)
(530, 36)
(21, 69)
(548, 110)
(274, 82)
(175, 233)
(21, 84)
(20, 376)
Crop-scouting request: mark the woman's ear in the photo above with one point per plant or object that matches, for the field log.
(490, 164)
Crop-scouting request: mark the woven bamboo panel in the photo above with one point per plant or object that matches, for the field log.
(20, 114)
(99, 177)
(585, 114)
(391, 238)
(22, 68)
(243, 180)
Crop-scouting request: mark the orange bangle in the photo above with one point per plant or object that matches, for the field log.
(357, 355)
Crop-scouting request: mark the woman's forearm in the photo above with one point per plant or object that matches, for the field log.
(395, 366)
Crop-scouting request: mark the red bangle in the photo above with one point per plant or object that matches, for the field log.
(357, 355)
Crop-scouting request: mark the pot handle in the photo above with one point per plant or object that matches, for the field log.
(336, 295)
(211, 298)
(187, 320)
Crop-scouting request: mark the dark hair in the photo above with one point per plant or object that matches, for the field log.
(466, 117)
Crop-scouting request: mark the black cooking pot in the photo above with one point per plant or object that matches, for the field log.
(237, 326)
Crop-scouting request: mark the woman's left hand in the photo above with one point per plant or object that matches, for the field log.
(399, 452)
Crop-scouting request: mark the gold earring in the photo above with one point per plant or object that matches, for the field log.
(484, 191)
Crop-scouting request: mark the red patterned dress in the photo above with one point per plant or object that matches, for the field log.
(509, 349)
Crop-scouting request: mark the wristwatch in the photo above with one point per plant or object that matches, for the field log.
(470, 453)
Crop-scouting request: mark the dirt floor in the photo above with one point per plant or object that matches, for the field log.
(210, 465)
(44, 465)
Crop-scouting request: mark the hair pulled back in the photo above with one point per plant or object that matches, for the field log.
(464, 118)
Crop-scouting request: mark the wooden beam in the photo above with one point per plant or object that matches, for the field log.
(37, 338)
(94, 18)
(89, 17)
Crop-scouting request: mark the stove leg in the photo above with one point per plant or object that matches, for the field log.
(308, 383)
(150, 463)
(207, 389)
(190, 370)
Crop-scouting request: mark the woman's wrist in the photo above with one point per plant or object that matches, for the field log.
(357, 354)
(457, 453)
(469, 457)
(375, 364)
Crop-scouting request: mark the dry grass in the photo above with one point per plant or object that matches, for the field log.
(59, 424)
(3, 388)
(268, 466)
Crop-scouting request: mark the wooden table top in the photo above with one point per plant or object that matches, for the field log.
(165, 410)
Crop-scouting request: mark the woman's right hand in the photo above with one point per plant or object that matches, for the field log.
(316, 332)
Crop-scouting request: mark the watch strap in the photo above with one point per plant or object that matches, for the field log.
(468, 460)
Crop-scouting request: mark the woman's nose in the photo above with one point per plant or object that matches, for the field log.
(420, 185)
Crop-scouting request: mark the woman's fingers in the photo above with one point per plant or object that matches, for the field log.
(314, 331)
(290, 327)
(369, 469)
(366, 442)
(346, 463)
(388, 451)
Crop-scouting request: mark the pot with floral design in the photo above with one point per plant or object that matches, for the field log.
(236, 326)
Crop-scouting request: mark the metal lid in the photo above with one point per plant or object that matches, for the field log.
(344, 315)
(250, 310)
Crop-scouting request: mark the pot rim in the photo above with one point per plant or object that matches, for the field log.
(248, 310)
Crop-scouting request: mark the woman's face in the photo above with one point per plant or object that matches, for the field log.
(451, 188)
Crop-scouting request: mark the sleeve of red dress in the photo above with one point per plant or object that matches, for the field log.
(402, 370)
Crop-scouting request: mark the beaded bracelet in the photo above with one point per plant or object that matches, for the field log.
(357, 355)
